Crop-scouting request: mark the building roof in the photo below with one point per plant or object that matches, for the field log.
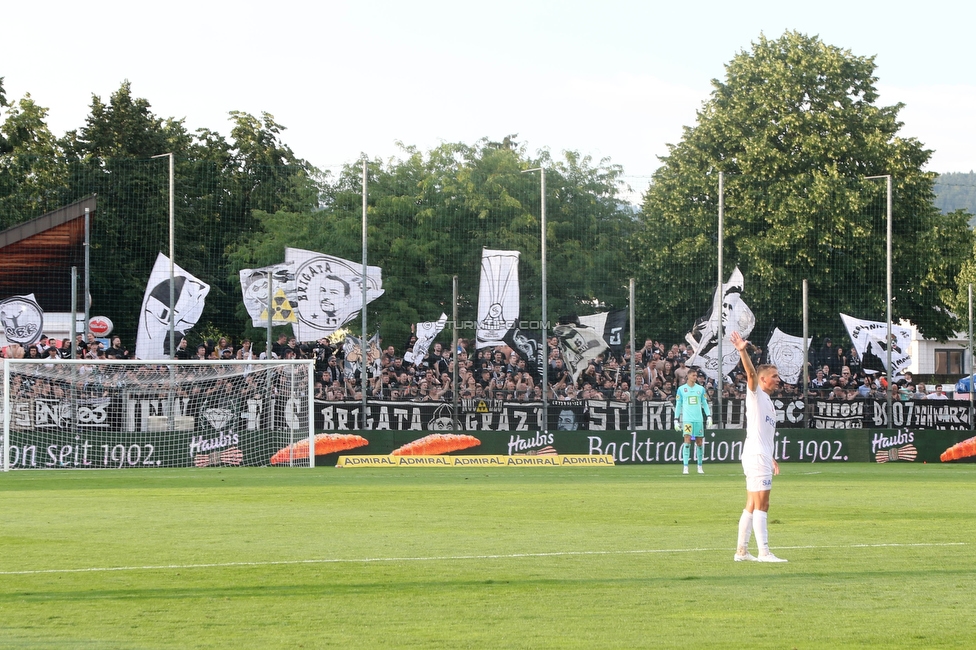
(37, 255)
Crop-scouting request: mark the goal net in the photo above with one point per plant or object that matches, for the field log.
(119, 414)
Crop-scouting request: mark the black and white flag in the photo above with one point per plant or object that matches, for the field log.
(275, 283)
(426, 333)
(329, 291)
(612, 325)
(786, 353)
(735, 315)
(189, 296)
(869, 338)
(498, 296)
(352, 350)
(528, 345)
(23, 320)
(578, 344)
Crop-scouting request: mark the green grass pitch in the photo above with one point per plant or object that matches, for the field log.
(625, 557)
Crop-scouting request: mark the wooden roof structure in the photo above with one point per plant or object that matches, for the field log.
(37, 255)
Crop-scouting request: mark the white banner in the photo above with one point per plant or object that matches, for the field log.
(23, 320)
(736, 316)
(279, 280)
(869, 338)
(328, 291)
(190, 293)
(426, 333)
(498, 296)
(786, 353)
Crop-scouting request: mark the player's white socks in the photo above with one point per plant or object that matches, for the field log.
(762, 535)
(745, 530)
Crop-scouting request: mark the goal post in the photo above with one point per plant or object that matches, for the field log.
(83, 414)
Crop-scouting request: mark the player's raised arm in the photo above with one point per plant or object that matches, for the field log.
(752, 378)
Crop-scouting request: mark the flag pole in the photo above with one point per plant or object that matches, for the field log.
(633, 356)
(888, 341)
(891, 412)
(364, 342)
(270, 307)
(456, 421)
(806, 353)
(545, 306)
(970, 356)
(721, 235)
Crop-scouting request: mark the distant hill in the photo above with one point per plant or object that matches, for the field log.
(956, 191)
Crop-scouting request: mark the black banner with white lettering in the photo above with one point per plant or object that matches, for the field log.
(602, 415)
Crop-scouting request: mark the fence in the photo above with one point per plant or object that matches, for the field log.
(429, 216)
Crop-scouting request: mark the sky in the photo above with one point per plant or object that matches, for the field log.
(613, 79)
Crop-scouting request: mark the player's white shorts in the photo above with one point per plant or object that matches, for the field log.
(759, 472)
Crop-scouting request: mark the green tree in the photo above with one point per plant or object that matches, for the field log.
(33, 174)
(218, 183)
(430, 213)
(796, 130)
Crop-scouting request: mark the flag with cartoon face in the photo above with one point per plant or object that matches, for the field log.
(498, 296)
(352, 350)
(329, 291)
(735, 315)
(189, 295)
(278, 280)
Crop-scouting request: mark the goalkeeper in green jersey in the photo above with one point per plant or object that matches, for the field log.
(690, 410)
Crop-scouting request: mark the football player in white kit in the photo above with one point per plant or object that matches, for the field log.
(757, 454)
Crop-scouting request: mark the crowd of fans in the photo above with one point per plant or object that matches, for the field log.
(500, 373)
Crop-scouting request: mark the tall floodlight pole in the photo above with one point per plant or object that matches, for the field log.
(545, 307)
(888, 296)
(364, 342)
(172, 259)
(717, 308)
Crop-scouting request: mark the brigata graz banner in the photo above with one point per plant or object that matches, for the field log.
(599, 415)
